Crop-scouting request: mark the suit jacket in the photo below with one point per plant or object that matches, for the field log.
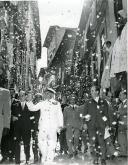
(98, 112)
(112, 114)
(35, 119)
(23, 115)
(72, 117)
(122, 111)
(5, 108)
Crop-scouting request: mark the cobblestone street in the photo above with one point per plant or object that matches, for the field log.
(87, 161)
(63, 160)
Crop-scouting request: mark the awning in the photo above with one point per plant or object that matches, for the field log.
(119, 54)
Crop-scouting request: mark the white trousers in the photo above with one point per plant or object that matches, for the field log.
(47, 140)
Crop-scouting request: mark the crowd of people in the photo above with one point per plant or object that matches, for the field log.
(98, 126)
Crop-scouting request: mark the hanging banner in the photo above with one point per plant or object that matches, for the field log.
(119, 54)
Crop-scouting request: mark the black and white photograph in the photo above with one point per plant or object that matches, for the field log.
(63, 82)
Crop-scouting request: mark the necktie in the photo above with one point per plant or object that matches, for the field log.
(23, 104)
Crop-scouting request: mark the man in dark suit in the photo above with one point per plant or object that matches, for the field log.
(95, 112)
(62, 136)
(22, 127)
(34, 125)
(11, 132)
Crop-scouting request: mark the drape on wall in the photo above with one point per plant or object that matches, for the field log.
(119, 54)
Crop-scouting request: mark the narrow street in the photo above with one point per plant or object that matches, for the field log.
(63, 82)
(63, 160)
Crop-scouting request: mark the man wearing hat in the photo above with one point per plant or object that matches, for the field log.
(50, 122)
(72, 123)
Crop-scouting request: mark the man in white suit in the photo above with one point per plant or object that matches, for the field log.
(50, 122)
(5, 108)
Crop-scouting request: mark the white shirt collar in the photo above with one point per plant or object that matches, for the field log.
(108, 102)
(52, 100)
(23, 102)
(97, 99)
(73, 105)
(124, 101)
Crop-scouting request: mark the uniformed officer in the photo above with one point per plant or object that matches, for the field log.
(50, 122)
(72, 123)
(84, 131)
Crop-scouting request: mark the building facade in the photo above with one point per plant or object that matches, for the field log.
(60, 56)
(100, 26)
(20, 42)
